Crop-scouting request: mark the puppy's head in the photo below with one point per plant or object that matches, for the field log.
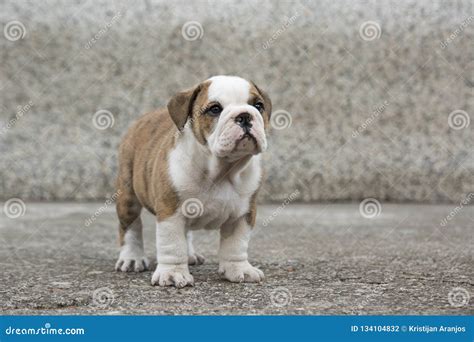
(227, 114)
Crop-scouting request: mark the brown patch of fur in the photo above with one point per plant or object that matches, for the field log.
(143, 179)
(252, 214)
(258, 94)
(201, 122)
(180, 106)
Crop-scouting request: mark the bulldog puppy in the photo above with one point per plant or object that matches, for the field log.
(194, 165)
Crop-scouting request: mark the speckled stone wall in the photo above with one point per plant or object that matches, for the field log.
(379, 93)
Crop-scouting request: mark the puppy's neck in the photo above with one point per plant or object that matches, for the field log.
(224, 169)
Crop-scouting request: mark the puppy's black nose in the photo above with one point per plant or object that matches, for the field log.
(244, 120)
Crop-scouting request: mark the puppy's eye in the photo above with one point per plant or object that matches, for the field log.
(215, 110)
(259, 106)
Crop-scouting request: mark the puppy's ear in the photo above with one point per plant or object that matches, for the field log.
(181, 105)
(266, 100)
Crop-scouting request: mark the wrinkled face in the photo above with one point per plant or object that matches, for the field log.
(229, 116)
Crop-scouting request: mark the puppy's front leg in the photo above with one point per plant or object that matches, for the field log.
(172, 254)
(233, 260)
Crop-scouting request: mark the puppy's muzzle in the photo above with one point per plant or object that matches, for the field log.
(240, 131)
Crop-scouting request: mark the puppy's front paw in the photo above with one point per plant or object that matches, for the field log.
(172, 275)
(132, 259)
(240, 271)
(195, 259)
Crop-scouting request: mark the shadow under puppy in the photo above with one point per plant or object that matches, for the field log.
(194, 165)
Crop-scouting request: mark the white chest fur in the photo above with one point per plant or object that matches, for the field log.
(193, 172)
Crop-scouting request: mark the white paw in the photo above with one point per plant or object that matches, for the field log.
(196, 259)
(132, 259)
(172, 275)
(240, 271)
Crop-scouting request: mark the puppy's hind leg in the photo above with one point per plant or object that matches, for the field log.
(132, 255)
(193, 257)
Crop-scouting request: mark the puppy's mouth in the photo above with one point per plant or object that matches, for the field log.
(249, 136)
(248, 142)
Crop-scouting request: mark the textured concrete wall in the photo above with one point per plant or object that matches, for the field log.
(369, 87)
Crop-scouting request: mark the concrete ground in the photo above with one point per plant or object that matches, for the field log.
(318, 259)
